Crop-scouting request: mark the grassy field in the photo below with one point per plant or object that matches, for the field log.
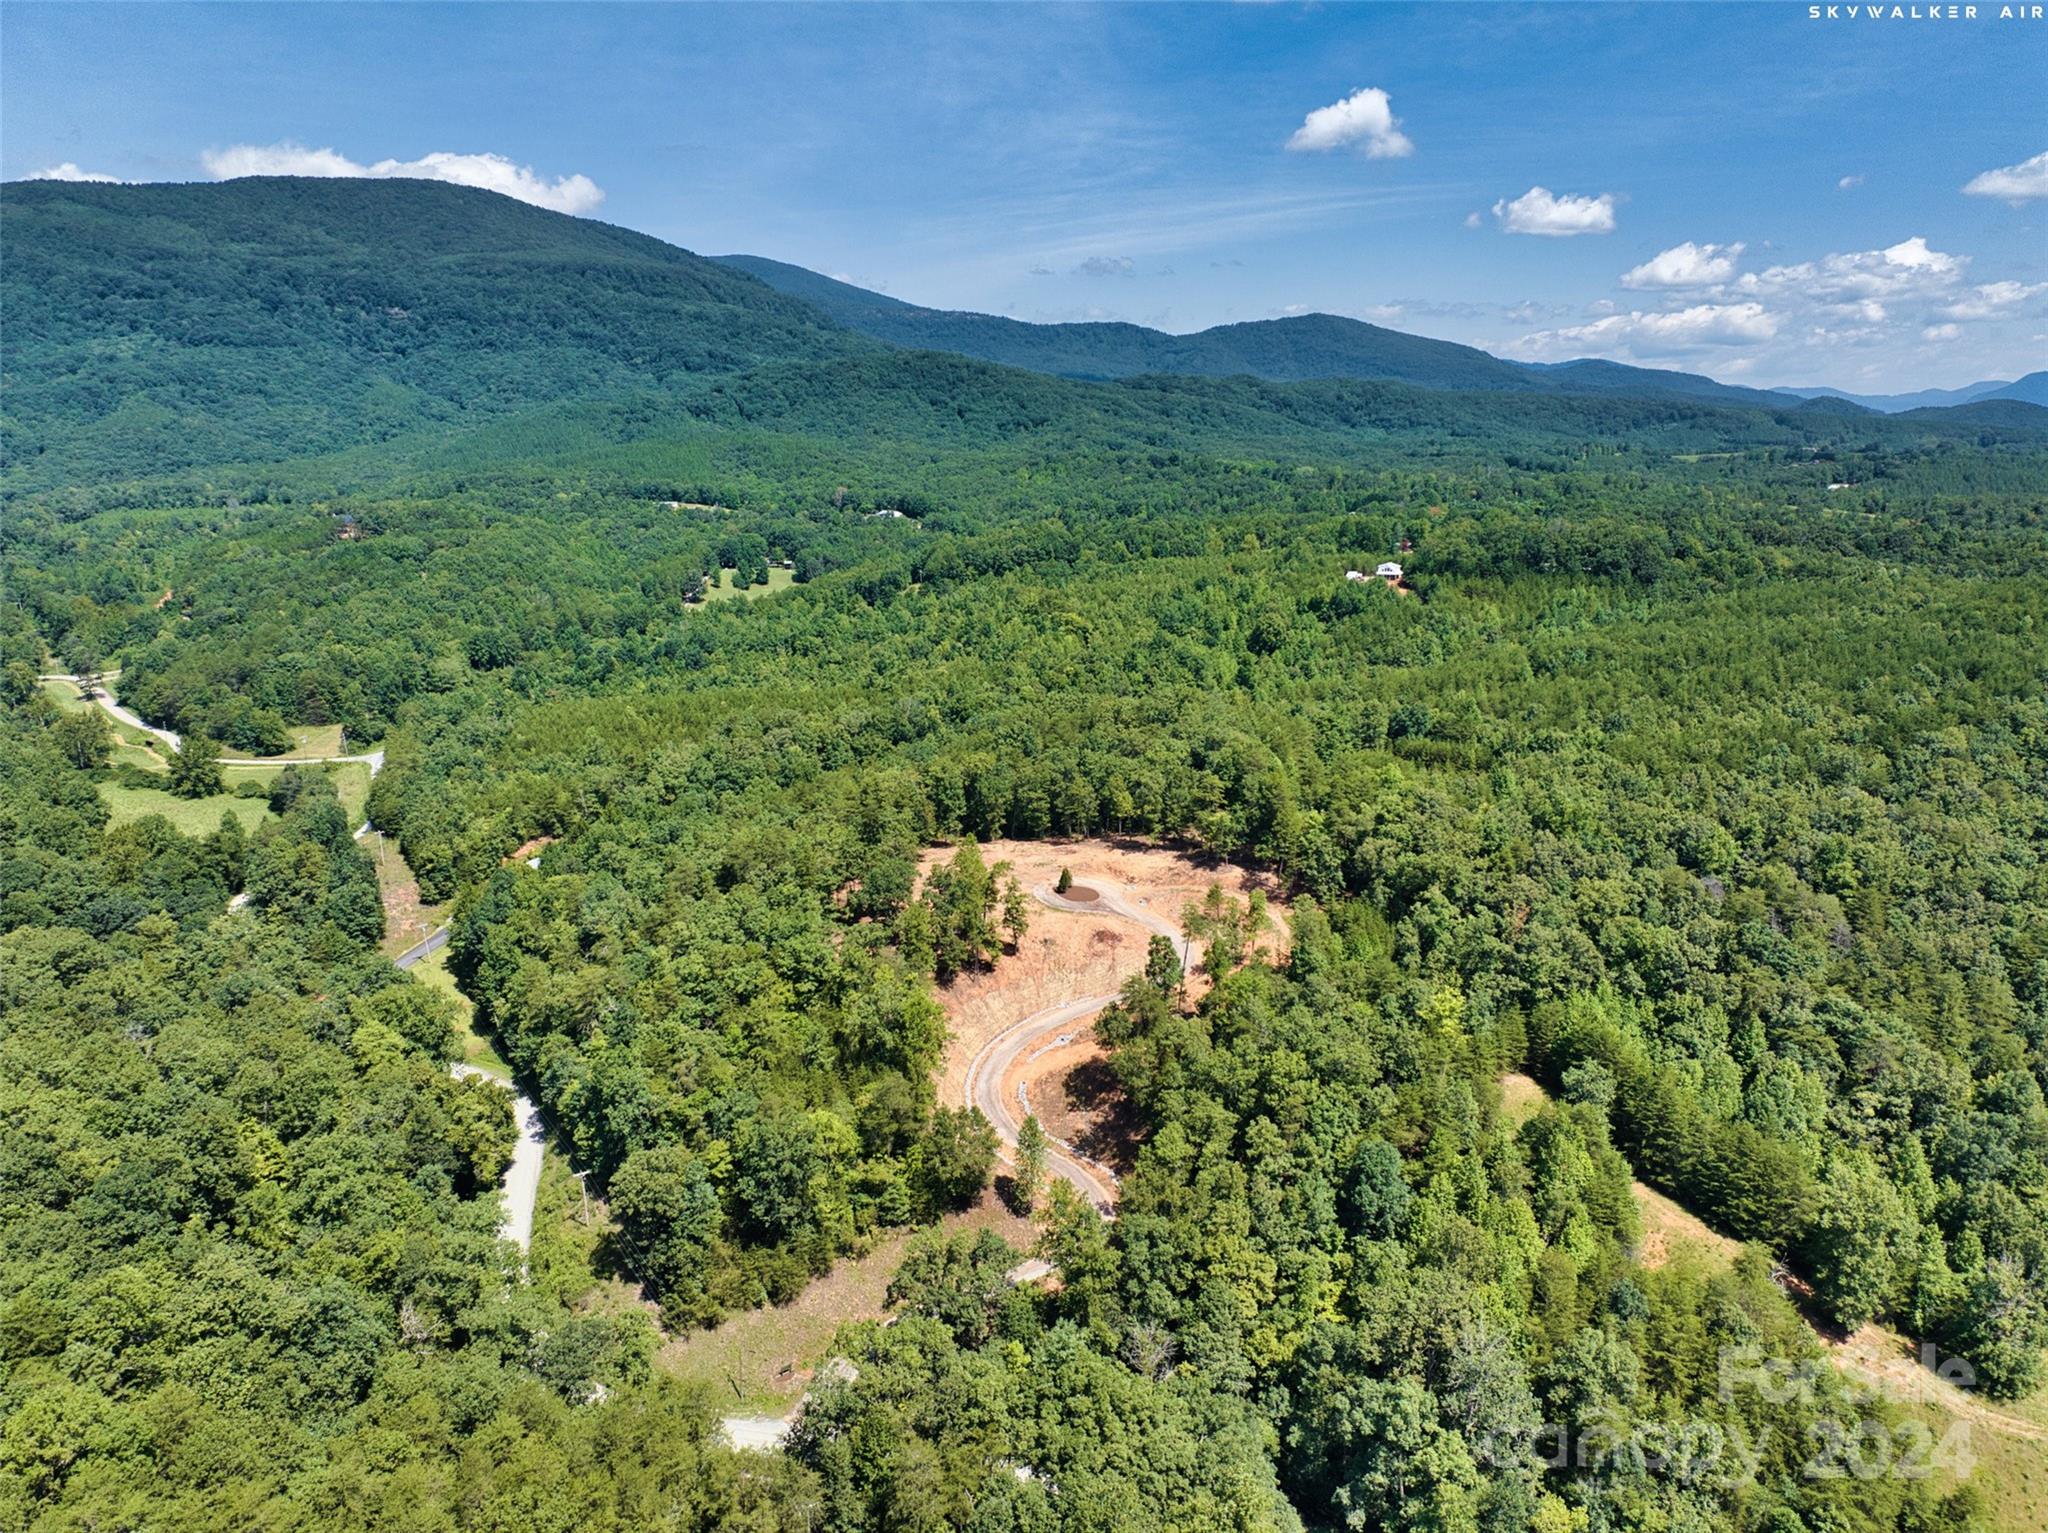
(130, 744)
(1999, 1448)
(310, 742)
(191, 816)
(406, 920)
(725, 590)
(1521, 1098)
(759, 1361)
(477, 1049)
(201, 816)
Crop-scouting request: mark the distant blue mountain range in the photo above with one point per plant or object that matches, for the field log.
(2032, 389)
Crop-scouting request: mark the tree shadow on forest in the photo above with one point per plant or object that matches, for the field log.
(1091, 1088)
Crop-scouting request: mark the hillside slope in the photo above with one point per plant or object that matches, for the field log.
(152, 328)
(366, 330)
(2032, 389)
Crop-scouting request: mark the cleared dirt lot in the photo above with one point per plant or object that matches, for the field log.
(1070, 953)
(1081, 947)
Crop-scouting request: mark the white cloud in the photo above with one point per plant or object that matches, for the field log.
(1990, 299)
(1909, 268)
(1849, 183)
(1365, 118)
(1105, 266)
(1941, 332)
(2019, 183)
(491, 172)
(1639, 334)
(1686, 265)
(70, 172)
(1536, 211)
(1474, 220)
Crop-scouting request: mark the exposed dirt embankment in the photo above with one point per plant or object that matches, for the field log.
(1022, 1040)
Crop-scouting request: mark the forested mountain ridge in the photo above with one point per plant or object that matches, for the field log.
(1289, 350)
(2031, 389)
(159, 326)
(199, 335)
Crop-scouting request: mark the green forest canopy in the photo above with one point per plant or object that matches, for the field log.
(1709, 795)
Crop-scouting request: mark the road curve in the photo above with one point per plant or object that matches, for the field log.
(994, 1060)
(104, 696)
(522, 1178)
(985, 1073)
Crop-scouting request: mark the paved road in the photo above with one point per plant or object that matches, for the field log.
(433, 942)
(104, 696)
(995, 1059)
(522, 1177)
(758, 1434)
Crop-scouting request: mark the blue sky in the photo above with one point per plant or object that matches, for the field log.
(1134, 162)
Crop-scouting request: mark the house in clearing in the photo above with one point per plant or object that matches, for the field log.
(1356, 575)
(1388, 571)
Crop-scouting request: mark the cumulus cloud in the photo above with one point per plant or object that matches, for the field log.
(1908, 269)
(1849, 183)
(1640, 334)
(2024, 182)
(1686, 265)
(491, 172)
(1872, 319)
(70, 172)
(1104, 266)
(1364, 118)
(1908, 272)
(1536, 211)
(1989, 300)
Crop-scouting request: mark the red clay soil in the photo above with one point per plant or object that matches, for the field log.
(1077, 1099)
(1066, 954)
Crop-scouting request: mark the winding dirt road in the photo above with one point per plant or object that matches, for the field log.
(985, 1075)
(993, 1063)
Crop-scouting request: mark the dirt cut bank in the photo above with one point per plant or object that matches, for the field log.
(1022, 1038)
